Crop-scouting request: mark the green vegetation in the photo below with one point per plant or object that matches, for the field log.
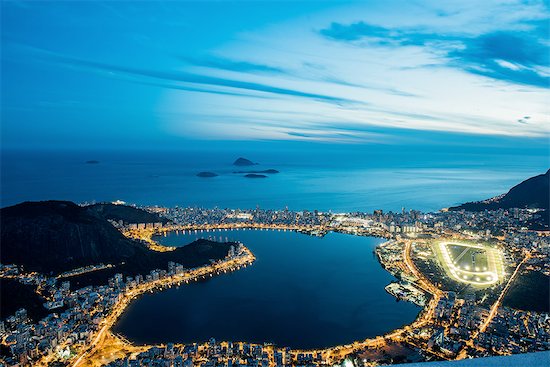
(14, 295)
(530, 292)
(470, 258)
(125, 213)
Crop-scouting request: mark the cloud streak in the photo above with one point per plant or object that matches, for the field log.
(196, 79)
(334, 76)
(230, 65)
(511, 56)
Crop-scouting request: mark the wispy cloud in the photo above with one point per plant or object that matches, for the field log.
(228, 64)
(355, 31)
(356, 73)
(186, 77)
(516, 56)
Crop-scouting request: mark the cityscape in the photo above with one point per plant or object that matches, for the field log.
(267, 183)
(449, 263)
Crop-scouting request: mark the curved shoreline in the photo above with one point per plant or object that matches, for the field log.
(105, 332)
(329, 354)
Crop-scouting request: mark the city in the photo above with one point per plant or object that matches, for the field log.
(464, 322)
(267, 183)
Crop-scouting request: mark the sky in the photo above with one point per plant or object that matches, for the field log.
(163, 74)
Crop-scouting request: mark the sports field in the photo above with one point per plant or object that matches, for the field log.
(473, 263)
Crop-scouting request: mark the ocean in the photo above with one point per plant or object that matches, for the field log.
(323, 180)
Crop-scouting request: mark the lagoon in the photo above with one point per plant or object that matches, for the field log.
(302, 292)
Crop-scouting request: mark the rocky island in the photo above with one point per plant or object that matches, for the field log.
(207, 174)
(268, 171)
(243, 162)
(254, 175)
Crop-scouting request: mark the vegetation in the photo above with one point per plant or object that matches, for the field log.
(125, 213)
(531, 193)
(14, 295)
(530, 292)
(55, 236)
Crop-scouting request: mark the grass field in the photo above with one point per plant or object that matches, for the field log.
(472, 263)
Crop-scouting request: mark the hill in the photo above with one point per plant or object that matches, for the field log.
(531, 193)
(56, 236)
(14, 295)
(128, 214)
(59, 235)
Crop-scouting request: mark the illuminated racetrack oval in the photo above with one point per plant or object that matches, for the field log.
(302, 292)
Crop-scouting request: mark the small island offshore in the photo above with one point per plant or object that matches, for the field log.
(207, 174)
(242, 162)
(91, 261)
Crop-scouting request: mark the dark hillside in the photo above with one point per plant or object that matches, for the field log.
(128, 214)
(56, 236)
(531, 193)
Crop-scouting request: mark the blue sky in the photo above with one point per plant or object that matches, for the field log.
(161, 74)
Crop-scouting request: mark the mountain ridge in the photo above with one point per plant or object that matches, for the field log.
(56, 236)
(533, 192)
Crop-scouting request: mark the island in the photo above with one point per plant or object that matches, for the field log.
(254, 175)
(243, 162)
(207, 174)
(268, 171)
(93, 161)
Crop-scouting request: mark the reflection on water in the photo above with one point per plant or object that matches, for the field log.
(302, 291)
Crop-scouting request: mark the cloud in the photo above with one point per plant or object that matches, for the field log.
(335, 78)
(511, 56)
(508, 56)
(354, 31)
(187, 77)
(231, 65)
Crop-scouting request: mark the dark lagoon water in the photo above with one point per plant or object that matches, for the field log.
(302, 292)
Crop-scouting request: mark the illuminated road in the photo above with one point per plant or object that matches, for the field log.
(106, 347)
(470, 343)
(103, 338)
(337, 353)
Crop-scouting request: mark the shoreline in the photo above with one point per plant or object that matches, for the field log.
(332, 353)
(191, 275)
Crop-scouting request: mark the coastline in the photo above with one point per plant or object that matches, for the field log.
(332, 353)
(87, 357)
(398, 261)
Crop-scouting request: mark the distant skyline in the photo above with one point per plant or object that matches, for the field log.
(163, 74)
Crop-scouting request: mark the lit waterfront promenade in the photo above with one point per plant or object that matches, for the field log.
(105, 345)
(103, 338)
(146, 234)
